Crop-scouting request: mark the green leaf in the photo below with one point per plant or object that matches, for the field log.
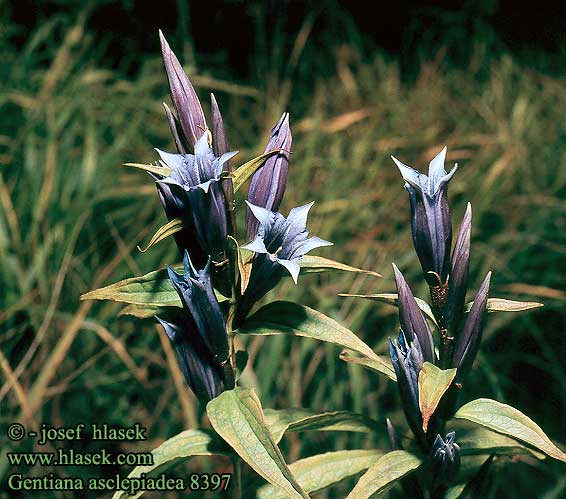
(455, 491)
(237, 417)
(316, 264)
(392, 299)
(297, 419)
(323, 470)
(153, 289)
(505, 419)
(369, 363)
(159, 170)
(245, 171)
(141, 311)
(503, 305)
(164, 231)
(433, 383)
(177, 450)
(283, 317)
(389, 468)
(483, 441)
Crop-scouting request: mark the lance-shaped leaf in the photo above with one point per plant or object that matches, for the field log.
(316, 264)
(458, 282)
(268, 183)
(468, 340)
(315, 473)
(504, 305)
(152, 289)
(238, 418)
(163, 232)
(162, 171)
(433, 383)
(142, 311)
(412, 320)
(371, 363)
(245, 171)
(177, 450)
(282, 317)
(187, 105)
(430, 216)
(392, 299)
(384, 473)
(483, 441)
(298, 419)
(505, 419)
(197, 294)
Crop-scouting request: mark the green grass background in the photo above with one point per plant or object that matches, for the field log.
(71, 217)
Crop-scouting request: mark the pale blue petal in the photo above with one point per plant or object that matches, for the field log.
(292, 266)
(264, 216)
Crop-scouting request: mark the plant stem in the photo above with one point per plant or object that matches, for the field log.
(237, 483)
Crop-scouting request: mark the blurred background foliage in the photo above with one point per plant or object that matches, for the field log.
(81, 87)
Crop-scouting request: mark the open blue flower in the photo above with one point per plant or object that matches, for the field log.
(195, 187)
(279, 245)
(430, 216)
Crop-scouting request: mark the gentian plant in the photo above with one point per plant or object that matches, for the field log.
(204, 304)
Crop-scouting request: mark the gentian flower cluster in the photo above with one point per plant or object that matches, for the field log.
(446, 272)
(198, 190)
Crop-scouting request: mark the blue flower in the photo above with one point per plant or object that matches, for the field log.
(279, 245)
(268, 182)
(202, 373)
(430, 216)
(195, 187)
(444, 461)
(407, 360)
(194, 287)
(412, 320)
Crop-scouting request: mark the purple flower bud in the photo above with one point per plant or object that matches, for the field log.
(279, 245)
(412, 319)
(195, 187)
(468, 339)
(202, 373)
(197, 295)
(458, 281)
(268, 182)
(185, 100)
(219, 139)
(444, 461)
(430, 216)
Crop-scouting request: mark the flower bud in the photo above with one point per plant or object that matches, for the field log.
(185, 100)
(268, 182)
(430, 217)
